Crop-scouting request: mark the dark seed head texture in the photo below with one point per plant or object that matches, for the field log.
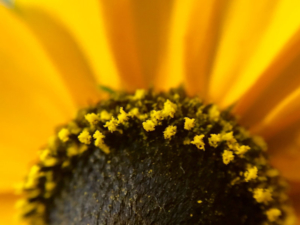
(154, 158)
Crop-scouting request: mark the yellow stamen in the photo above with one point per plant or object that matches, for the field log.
(74, 128)
(242, 149)
(189, 123)
(104, 115)
(134, 112)
(273, 214)
(122, 117)
(32, 177)
(156, 115)
(251, 174)
(72, 151)
(227, 136)
(104, 148)
(198, 141)
(170, 131)
(92, 118)
(49, 186)
(99, 138)
(112, 125)
(227, 157)
(85, 137)
(139, 94)
(47, 159)
(214, 113)
(169, 109)
(64, 134)
(262, 195)
(149, 125)
(214, 140)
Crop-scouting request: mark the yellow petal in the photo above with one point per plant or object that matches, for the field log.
(7, 210)
(138, 32)
(172, 68)
(199, 36)
(283, 115)
(64, 53)
(284, 150)
(152, 23)
(277, 82)
(119, 24)
(84, 21)
(253, 33)
(33, 99)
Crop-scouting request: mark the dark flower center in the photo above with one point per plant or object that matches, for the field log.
(154, 159)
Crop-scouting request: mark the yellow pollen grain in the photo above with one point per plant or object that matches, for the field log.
(92, 118)
(214, 113)
(169, 109)
(227, 136)
(273, 214)
(227, 157)
(32, 177)
(214, 140)
(251, 174)
(149, 125)
(85, 137)
(49, 186)
(123, 116)
(143, 117)
(199, 201)
(74, 128)
(47, 159)
(242, 149)
(34, 171)
(189, 123)
(262, 195)
(156, 115)
(72, 151)
(170, 131)
(104, 115)
(99, 138)
(50, 161)
(139, 94)
(260, 142)
(134, 112)
(198, 141)
(82, 148)
(112, 125)
(104, 148)
(64, 134)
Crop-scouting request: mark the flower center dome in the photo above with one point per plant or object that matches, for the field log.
(154, 158)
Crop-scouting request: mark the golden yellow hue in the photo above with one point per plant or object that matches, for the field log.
(262, 195)
(54, 54)
(189, 123)
(199, 142)
(227, 157)
(170, 131)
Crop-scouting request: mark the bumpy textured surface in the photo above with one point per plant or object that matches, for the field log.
(205, 171)
(154, 184)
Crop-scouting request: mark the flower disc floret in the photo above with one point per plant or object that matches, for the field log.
(170, 131)
(198, 141)
(112, 124)
(155, 149)
(149, 125)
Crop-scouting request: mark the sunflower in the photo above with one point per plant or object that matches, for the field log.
(56, 54)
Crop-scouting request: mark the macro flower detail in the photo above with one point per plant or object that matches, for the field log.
(50, 185)
(115, 64)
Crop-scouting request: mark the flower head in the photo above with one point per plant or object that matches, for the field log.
(56, 54)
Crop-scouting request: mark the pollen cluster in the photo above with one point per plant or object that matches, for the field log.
(223, 149)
